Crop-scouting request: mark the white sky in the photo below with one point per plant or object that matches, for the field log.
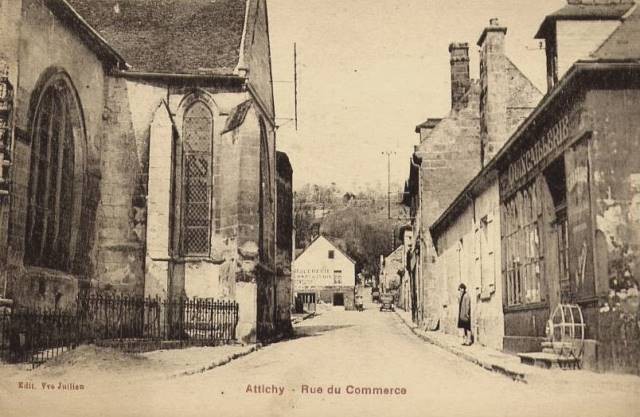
(369, 71)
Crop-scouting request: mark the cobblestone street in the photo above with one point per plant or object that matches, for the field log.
(352, 351)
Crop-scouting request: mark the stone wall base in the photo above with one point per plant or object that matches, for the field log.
(246, 297)
(522, 344)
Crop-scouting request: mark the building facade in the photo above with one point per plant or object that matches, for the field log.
(324, 273)
(395, 275)
(392, 272)
(575, 172)
(143, 161)
(468, 246)
(451, 152)
(565, 187)
(284, 243)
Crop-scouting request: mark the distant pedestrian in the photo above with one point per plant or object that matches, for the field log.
(464, 315)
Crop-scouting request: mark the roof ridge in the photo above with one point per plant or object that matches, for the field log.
(62, 7)
(524, 76)
(624, 19)
(335, 246)
(241, 66)
(154, 39)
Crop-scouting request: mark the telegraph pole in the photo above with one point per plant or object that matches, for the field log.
(295, 83)
(388, 153)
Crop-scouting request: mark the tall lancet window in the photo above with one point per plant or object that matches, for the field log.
(265, 193)
(197, 134)
(49, 236)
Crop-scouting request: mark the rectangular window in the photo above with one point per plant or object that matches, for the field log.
(337, 277)
(522, 248)
(332, 254)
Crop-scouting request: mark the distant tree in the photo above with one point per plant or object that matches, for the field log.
(361, 230)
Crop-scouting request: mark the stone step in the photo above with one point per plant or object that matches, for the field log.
(556, 351)
(557, 345)
(549, 360)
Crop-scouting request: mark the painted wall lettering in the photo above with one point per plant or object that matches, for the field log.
(532, 157)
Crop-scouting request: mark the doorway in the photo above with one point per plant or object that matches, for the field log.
(305, 303)
(555, 176)
(338, 299)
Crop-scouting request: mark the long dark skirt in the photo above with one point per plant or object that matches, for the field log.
(464, 324)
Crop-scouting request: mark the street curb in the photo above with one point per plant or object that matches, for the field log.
(221, 362)
(489, 366)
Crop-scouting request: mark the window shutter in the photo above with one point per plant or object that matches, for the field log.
(492, 243)
(477, 254)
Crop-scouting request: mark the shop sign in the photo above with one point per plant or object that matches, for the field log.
(579, 218)
(531, 158)
(313, 276)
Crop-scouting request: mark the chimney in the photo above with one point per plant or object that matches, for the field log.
(460, 79)
(494, 90)
(425, 129)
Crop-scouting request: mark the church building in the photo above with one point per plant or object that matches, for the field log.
(139, 153)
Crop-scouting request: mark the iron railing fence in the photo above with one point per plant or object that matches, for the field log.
(36, 335)
(129, 323)
(121, 317)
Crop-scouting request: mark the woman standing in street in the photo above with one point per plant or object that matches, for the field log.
(464, 315)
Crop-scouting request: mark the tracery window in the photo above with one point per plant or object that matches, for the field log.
(56, 128)
(196, 174)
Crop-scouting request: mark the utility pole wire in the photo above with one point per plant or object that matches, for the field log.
(388, 153)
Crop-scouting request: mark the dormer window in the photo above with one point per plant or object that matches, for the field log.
(577, 30)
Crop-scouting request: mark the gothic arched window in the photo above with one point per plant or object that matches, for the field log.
(266, 195)
(197, 131)
(53, 189)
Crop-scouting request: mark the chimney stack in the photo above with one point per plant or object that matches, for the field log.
(460, 78)
(492, 37)
(494, 90)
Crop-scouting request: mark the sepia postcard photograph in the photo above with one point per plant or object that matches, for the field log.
(279, 208)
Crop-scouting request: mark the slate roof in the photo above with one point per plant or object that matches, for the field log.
(624, 42)
(332, 243)
(610, 11)
(92, 39)
(170, 36)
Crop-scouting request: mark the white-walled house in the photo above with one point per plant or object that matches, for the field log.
(324, 272)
